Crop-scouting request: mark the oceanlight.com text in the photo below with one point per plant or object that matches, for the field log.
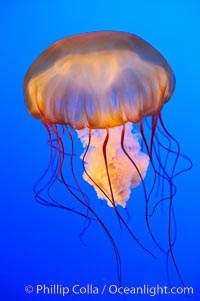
(112, 289)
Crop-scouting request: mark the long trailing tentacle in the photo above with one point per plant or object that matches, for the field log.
(171, 209)
(145, 145)
(52, 202)
(161, 170)
(38, 191)
(86, 199)
(163, 167)
(161, 180)
(144, 189)
(167, 175)
(57, 174)
(85, 205)
(180, 155)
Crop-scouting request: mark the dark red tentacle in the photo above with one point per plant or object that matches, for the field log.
(118, 259)
(144, 189)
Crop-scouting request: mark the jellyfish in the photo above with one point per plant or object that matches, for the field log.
(108, 88)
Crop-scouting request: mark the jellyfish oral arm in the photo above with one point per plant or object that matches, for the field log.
(122, 175)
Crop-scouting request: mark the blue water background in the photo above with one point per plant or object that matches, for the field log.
(41, 245)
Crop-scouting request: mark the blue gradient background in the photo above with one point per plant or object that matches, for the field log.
(41, 245)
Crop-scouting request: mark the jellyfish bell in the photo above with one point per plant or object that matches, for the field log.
(98, 80)
(102, 85)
